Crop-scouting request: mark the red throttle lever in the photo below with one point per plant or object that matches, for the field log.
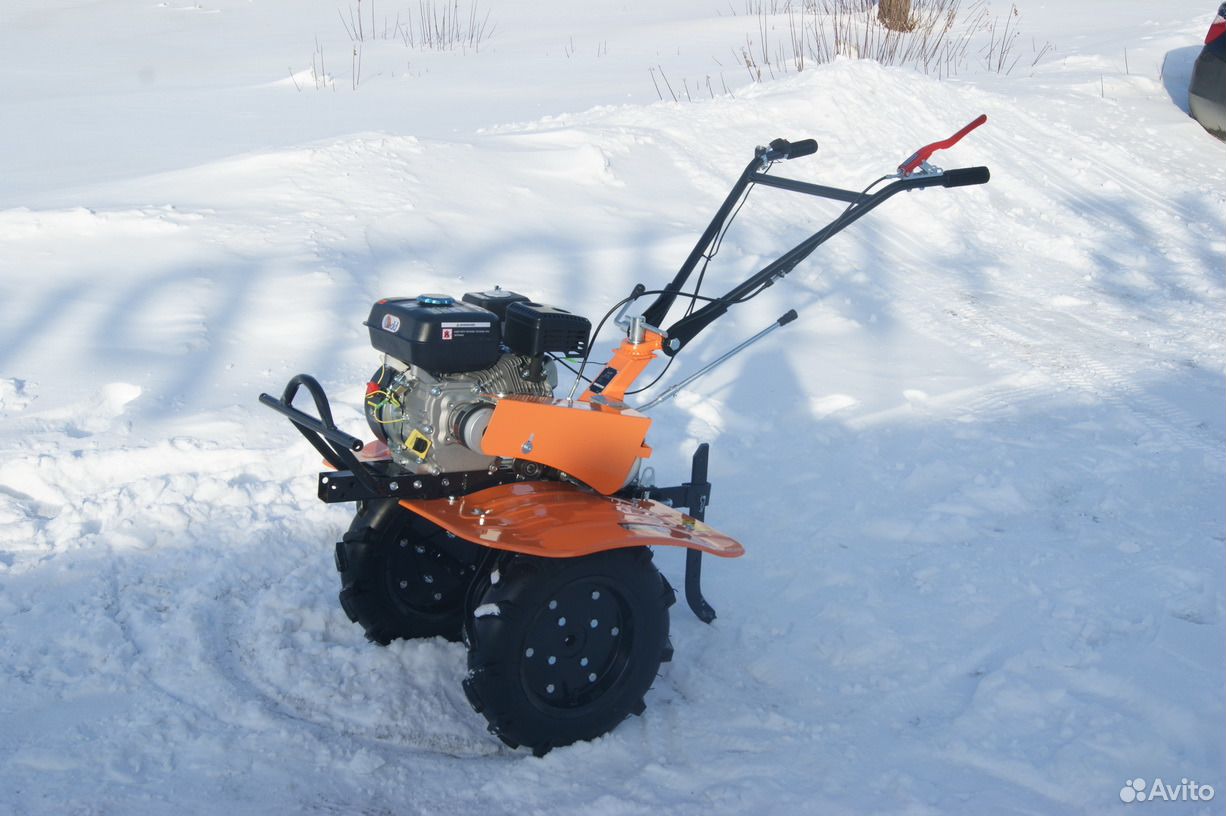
(920, 156)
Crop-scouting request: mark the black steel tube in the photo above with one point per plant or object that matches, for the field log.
(820, 190)
(317, 395)
(332, 434)
(687, 328)
(334, 445)
(655, 313)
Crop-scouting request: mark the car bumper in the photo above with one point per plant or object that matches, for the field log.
(1207, 91)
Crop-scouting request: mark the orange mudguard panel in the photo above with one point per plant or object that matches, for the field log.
(597, 443)
(559, 520)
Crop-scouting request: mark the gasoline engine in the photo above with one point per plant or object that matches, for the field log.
(445, 363)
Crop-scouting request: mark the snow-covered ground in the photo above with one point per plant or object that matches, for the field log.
(981, 480)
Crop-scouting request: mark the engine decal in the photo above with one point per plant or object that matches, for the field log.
(456, 330)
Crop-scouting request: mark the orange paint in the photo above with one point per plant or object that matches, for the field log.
(594, 442)
(559, 520)
(629, 360)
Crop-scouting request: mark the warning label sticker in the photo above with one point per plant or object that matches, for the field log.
(457, 330)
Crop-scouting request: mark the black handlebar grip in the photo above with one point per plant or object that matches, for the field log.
(805, 147)
(782, 149)
(787, 317)
(965, 176)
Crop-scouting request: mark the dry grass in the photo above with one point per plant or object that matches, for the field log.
(945, 37)
(438, 25)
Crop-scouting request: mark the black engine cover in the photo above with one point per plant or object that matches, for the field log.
(496, 300)
(435, 333)
(535, 329)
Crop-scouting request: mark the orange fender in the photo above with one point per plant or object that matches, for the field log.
(561, 520)
(597, 443)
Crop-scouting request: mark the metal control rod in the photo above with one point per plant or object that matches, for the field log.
(672, 390)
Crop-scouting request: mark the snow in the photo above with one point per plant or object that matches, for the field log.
(981, 480)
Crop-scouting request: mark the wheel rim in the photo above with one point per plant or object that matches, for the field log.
(577, 646)
(424, 578)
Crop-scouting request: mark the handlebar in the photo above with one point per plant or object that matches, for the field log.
(958, 177)
(920, 156)
(782, 150)
(684, 330)
(859, 204)
(965, 176)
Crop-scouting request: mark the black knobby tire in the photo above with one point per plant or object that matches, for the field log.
(403, 576)
(563, 649)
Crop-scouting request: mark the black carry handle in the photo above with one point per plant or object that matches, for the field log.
(965, 176)
(334, 445)
(323, 426)
(782, 149)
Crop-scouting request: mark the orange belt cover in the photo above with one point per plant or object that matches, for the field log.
(595, 443)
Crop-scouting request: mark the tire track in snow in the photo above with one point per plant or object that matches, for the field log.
(231, 656)
(1073, 352)
(1064, 364)
(238, 663)
(194, 663)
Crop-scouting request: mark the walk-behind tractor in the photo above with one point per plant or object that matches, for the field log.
(492, 509)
